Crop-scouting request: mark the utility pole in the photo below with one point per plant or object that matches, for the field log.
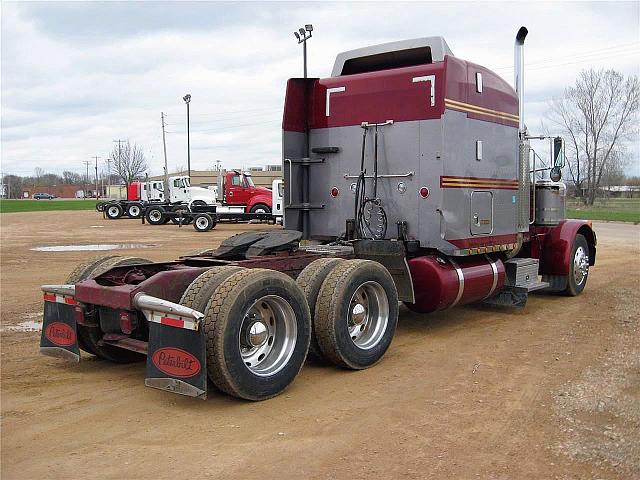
(96, 167)
(108, 193)
(86, 178)
(164, 145)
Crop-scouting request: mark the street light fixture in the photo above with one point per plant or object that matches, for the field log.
(302, 37)
(187, 99)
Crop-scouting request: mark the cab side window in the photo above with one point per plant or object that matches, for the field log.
(236, 181)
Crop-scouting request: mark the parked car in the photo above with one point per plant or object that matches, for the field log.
(43, 196)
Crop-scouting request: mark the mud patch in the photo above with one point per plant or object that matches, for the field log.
(93, 247)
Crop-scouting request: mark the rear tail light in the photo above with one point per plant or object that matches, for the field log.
(125, 323)
(424, 192)
(335, 192)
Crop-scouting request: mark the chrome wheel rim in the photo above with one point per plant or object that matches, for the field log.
(155, 215)
(260, 210)
(113, 211)
(580, 265)
(134, 211)
(268, 335)
(202, 223)
(368, 315)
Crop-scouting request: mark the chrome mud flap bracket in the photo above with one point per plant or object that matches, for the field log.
(59, 337)
(177, 354)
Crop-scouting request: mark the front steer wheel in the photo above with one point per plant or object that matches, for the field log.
(260, 208)
(578, 267)
(258, 328)
(356, 314)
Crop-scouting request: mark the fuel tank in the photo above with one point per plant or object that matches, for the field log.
(441, 282)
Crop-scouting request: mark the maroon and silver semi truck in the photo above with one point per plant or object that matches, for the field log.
(425, 191)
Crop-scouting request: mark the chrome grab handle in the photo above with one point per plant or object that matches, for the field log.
(155, 304)
(367, 124)
(290, 180)
(388, 175)
(59, 289)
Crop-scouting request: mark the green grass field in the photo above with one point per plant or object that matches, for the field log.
(14, 206)
(611, 209)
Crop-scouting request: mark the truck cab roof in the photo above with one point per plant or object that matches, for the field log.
(404, 53)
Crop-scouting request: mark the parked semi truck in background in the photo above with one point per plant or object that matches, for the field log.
(234, 189)
(410, 177)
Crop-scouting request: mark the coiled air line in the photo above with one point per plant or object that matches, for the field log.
(371, 219)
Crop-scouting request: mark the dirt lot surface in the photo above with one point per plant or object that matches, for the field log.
(551, 391)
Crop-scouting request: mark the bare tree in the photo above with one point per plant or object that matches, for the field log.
(129, 162)
(38, 173)
(597, 116)
(71, 178)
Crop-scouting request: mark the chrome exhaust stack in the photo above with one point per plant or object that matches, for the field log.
(524, 175)
(518, 74)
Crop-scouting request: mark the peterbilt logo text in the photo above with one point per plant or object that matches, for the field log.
(60, 334)
(176, 362)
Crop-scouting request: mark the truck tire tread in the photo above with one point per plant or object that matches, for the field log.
(328, 307)
(310, 280)
(217, 317)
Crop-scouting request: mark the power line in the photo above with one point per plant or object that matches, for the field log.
(541, 66)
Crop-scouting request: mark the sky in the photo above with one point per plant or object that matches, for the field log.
(76, 76)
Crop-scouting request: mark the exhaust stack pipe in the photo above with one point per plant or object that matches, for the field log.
(518, 74)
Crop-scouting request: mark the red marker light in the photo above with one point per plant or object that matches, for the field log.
(335, 192)
(424, 192)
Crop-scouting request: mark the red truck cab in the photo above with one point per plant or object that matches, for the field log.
(239, 189)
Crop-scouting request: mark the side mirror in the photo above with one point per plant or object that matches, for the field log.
(555, 174)
(558, 152)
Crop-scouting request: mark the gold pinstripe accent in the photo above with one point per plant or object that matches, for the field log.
(487, 249)
(467, 107)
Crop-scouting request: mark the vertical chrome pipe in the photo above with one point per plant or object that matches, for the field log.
(518, 74)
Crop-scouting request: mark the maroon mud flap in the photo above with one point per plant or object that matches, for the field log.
(176, 358)
(59, 336)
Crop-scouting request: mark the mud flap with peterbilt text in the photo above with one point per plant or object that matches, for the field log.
(176, 355)
(59, 336)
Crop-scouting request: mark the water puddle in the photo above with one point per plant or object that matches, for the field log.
(93, 247)
(26, 326)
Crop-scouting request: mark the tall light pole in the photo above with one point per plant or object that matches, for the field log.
(304, 35)
(187, 99)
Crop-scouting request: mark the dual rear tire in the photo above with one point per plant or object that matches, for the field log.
(257, 326)
(355, 311)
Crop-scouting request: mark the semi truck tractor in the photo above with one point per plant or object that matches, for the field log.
(233, 189)
(141, 194)
(409, 179)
